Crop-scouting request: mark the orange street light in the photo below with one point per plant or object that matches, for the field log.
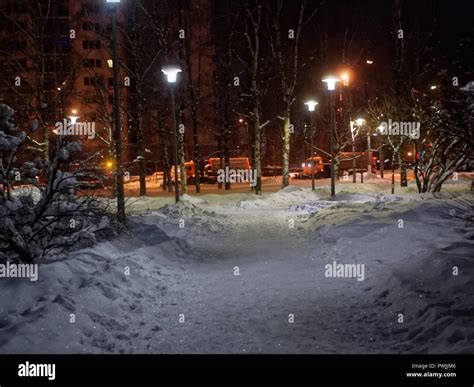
(345, 78)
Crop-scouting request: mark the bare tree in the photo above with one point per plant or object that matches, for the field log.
(193, 54)
(285, 46)
(447, 141)
(140, 64)
(384, 108)
(256, 73)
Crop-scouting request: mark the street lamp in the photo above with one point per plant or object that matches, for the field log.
(311, 104)
(358, 122)
(117, 130)
(361, 122)
(74, 117)
(171, 73)
(331, 82)
(345, 78)
(381, 130)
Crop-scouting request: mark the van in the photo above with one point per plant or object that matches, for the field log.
(308, 167)
(361, 162)
(190, 172)
(211, 169)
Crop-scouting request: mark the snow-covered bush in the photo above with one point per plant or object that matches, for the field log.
(45, 218)
(448, 141)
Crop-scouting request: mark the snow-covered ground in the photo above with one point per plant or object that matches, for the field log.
(240, 274)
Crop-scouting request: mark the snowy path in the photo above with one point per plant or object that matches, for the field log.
(181, 294)
(279, 276)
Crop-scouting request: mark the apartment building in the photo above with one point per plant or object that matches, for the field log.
(57, 64)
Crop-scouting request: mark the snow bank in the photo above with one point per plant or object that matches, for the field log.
(421, 275)
(98, 300)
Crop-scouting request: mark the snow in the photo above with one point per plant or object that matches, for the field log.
(130, 294)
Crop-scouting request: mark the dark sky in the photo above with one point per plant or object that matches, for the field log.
(440, 26)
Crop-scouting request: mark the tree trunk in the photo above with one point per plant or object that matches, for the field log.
(226, 156)
(142, 153)
(393, 171)
(196, 153)
(257, 151)
(252, 153)
(286, 150)
(167, 183)
(403, 172)
(142, 177)
(182, 162)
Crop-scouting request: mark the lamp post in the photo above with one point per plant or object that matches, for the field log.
(331, 82)
(119, 189)
(311, 104)
(381, 154)
(360, 122)
(247, 130)
(369, 153)
(345, 82)
(171, 73)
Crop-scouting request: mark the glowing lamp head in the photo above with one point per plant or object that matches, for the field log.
(345, 79)
(331, 82)
(171, 73)
(360, 121)
(311, 104)
(73, 117)
(433, 87)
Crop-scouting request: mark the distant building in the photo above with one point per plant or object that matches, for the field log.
(66, 71)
